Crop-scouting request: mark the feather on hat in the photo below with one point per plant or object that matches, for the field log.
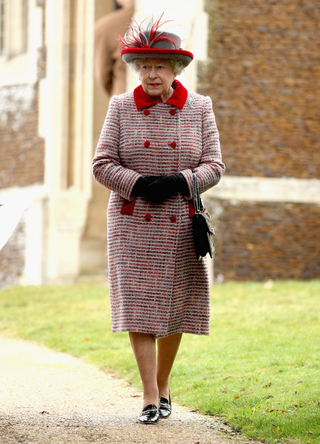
(148, 41)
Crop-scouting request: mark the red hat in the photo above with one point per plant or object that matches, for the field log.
(148, 41)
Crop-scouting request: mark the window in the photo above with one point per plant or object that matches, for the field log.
(2, 21)
(20, 19)
(13, 27)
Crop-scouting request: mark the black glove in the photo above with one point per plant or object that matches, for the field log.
(164, 187)
(141, 185)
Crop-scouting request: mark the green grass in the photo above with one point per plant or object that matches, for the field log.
(259, 370)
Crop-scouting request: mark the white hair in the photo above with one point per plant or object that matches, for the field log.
(176, 63)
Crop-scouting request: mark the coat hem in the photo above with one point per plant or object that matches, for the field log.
(161, 335)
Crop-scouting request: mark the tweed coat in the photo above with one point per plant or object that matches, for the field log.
(157, 285)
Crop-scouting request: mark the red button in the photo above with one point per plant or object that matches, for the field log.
(146, 112)
(173, 219)
(147, 143)
(172, 112)
(173, 144)
(147, 216)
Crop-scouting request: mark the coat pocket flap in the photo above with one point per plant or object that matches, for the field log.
(128, 207)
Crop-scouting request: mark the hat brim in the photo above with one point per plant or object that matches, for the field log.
(130, 54)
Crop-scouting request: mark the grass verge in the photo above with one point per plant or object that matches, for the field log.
(259, 369)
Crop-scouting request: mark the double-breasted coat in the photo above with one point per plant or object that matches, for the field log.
(157, 285)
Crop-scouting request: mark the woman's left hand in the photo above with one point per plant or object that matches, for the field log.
(164, 187)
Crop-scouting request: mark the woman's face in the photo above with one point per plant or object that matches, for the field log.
(156, 76)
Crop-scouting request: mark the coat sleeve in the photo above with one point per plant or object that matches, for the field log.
(210, 168)
(106, 165)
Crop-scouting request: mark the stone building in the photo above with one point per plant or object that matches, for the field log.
(51, 116)
(259, 63)
(263, 75)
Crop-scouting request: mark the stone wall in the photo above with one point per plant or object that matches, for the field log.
(263, 75)
(21, 160)
(12, 258)
(22, 151)
(259, 241)
(21, 164)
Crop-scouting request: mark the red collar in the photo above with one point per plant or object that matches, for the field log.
(178, 98)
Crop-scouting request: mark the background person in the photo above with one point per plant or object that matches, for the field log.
(110, 71)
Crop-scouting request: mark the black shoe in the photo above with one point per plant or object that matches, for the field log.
(165, 407)
(149, 414)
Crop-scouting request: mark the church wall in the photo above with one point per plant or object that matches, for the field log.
(12, 258)
(263, 75)
(263, 240)
(22, 150)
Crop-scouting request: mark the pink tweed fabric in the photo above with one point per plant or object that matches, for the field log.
(157, 285)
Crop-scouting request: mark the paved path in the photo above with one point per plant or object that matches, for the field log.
(49, 397)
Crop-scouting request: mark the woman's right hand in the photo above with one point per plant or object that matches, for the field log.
(141, 185)
(158, 189)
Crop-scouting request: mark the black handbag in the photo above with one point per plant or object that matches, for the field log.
(203, 232)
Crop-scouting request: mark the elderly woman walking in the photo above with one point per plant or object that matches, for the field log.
(152, 141)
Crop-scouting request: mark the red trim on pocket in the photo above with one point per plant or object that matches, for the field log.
(128, 207)
(192, 210)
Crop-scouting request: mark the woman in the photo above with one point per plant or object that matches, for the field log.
(152, 140)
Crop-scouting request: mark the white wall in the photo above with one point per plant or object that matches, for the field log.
(66, 123)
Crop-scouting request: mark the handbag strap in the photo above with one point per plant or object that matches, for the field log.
(196, 195)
